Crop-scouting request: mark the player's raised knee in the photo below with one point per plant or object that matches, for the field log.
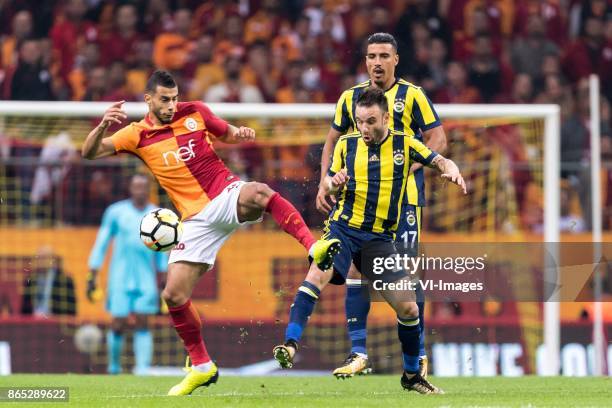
(261, 194)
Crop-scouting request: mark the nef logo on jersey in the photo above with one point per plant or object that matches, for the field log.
(182, 154)
(191, 124)
(399, 106)
(398, 157)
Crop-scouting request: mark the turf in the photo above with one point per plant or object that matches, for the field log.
(374, 390)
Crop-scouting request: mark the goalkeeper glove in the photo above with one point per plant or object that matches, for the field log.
(93, 293)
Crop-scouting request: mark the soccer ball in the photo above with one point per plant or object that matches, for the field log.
(161, 230)
(88, 338)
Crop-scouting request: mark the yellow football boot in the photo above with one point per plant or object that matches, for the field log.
(355, 364)
(195, 379)
(323, 252)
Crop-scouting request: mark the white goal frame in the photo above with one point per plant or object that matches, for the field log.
(552, 157)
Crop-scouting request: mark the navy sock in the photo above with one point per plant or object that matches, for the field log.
(357, 306)
(301, 309)
(408, 332)
(421, 305)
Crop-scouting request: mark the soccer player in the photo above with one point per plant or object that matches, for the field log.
(132, 281)
(369, 169)
(412, 113)
(175, 141)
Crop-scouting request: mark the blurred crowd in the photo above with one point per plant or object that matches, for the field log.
(461, 51)
(290, 51)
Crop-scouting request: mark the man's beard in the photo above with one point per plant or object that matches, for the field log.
(161, 119)
(379, 135)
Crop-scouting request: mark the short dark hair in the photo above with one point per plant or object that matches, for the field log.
(373, 96)
(161, 78)
(382, 38)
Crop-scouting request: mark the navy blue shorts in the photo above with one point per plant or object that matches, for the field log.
(409, 226)
(353, 242)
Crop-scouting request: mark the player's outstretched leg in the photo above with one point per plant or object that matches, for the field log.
(202, 372)
(255, 198)
(301, 309)
(357, 307)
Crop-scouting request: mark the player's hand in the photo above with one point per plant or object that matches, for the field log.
(245, 134)
(322, 204)
(339, 180)
(451, 173)
(93, 293)
(114, 114)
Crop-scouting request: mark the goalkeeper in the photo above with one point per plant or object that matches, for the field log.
(413, 114)
(132, 283)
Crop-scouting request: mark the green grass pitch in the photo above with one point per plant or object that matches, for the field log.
(376, 391)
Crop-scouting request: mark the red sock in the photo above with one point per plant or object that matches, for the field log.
(187, 323)
(290, 220)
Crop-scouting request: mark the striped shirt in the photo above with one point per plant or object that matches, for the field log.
(410, 112)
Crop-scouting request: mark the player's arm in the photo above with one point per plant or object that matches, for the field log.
(235, 135)
(435, 139)
(330, 141)
(339, 126)
(96, 145)
(336, 177)
(332, 184)
(428, 121)
(328, 149)
(449, 171)
(425, 156)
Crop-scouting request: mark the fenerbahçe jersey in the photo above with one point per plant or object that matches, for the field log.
(371, 199)
(410, 112)
(181, 155)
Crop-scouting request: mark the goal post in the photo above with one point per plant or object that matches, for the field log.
(549, 114)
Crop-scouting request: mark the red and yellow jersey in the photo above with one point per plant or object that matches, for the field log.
(181, 155)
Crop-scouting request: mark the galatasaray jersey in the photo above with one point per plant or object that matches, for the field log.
(181, 155)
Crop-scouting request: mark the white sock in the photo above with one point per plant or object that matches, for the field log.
(364, 355)
(204, 367)
(311, 251)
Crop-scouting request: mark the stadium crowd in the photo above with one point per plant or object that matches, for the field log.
(460, 51)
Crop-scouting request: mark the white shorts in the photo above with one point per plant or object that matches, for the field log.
(205, 232)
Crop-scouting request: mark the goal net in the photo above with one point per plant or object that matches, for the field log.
(52, 201)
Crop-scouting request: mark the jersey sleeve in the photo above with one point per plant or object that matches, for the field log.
(216, 125)
(338, 158)
(342, 121)
(125, 140)
(423, 112)
(106, 232)
(419, 152)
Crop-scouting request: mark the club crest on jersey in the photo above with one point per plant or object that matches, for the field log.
(411, 217)
(191, 124)
(399, 105)
(398, 157)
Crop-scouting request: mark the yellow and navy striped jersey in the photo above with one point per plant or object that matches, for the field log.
(410, 112)
(372, 197)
